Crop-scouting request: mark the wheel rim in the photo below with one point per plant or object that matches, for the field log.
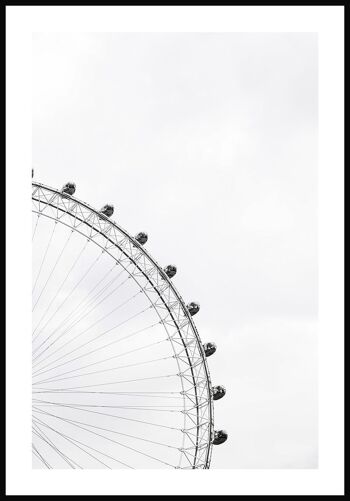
(51, 365)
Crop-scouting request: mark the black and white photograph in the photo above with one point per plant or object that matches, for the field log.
(175, 251)
(209, 143)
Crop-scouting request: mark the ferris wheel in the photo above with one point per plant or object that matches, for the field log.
(120, 375)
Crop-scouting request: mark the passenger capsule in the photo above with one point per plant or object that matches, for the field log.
(218, 392)
(220, 436)
(209, 349)
(69, 188)
(107, 210)
(141, 237)
(170, 270)
(193, 308)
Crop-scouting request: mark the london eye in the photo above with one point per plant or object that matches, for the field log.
(120, 374)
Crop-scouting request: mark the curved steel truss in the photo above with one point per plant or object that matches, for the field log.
(163, 298)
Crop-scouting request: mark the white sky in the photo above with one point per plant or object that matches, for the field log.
(209, 143)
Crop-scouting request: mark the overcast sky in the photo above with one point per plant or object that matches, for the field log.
(209, 143)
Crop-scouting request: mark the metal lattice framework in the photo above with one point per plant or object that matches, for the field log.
(170, 308)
